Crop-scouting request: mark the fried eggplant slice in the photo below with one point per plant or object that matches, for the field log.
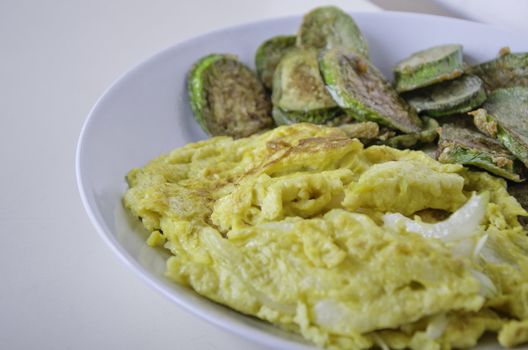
(350, 126)
(468, 147)
(330, 27)
(282, 117)
(268, 55)
(429, 66)
(227, 98)
(505, 114)
(427, 135)
(361, 130)
(507, 70)
(368, 133)
(299, 93)
(362, 91)
(449, 97)
(484, 123)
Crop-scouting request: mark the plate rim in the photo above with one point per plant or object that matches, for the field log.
(231, 325)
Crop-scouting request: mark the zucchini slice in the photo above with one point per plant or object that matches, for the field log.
(429, 66)
(227, 98)
(361, 130)
(507, 70)
(427, 135)
(362, 91)
(268, 55)
(484, 123)
(449, 97)
(299, 93)
(468, 147)
(317, 116)
(368, 133)
(330, 27)
(507, 111)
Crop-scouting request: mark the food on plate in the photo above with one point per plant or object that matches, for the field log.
(369, 133)
(514, 333)
(455, 96)
(324, 229)
(362, 91)
(227, 98)
(505, 116)
(299, 93)
(425, 136)
(329, 27)
(483, 123)
(507, 70)
(361, 130)
(351, 247)
(324, 75)
(465, 146)
(269, 54)
(429, 66)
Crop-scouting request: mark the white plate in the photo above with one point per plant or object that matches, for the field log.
(146, 113)
(505, 13)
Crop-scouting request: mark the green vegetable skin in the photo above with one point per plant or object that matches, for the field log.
(196, 89)
(319, 116)
(451, 97)
(227, 98)
(361, 90)
(427, 135)
(464, 146)
(299, 93)
(508, 109)
(426, 67)
(363, 130)
(329, 27)
(507, 70)
(269, 54)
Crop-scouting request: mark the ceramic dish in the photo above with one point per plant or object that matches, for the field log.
(146, 113)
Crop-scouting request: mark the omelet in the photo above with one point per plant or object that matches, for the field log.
(350, 247)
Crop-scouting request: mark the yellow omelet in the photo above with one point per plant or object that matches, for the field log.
(350, 247)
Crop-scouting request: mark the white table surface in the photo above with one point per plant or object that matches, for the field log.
(62, 287)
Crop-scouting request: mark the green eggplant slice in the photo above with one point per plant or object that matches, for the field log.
(299, 93)
(227, 98)
(449, 97)
(429, 66)
(484, 123)
(507, 70)
(366, 132)
(427, 135)
(362, 91)
(269, 54)
(330, 27)
(468, 147)
(507, 109)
